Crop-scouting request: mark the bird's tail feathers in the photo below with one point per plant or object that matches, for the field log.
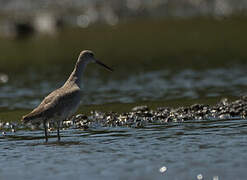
(25, 119)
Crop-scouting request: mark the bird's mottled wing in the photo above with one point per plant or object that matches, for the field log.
(52, 104)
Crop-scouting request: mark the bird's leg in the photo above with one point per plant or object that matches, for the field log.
(58, 133)
(46, 137)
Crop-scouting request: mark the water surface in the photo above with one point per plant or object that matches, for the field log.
(28, 89)
(213, 149)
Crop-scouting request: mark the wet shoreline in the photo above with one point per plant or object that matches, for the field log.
(141, 116)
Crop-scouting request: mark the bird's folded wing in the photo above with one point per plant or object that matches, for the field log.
(51, 105)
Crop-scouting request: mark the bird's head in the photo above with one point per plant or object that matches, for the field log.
(87, 56)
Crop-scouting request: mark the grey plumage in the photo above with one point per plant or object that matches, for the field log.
(63, 102)
(55, 104)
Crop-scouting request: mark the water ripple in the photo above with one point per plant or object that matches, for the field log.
(154, 85)
(174, 150)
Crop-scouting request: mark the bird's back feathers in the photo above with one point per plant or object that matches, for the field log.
(53, 104)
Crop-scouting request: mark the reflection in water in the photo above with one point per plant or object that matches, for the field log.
(177, 150)
(155, 85)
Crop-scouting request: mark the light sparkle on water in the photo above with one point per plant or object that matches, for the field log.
(216, 178)
(199, 176)
(163, 169)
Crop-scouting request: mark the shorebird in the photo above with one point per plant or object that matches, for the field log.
(64, 101)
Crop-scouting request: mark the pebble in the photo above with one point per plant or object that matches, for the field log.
(68, 123)
(140, 108)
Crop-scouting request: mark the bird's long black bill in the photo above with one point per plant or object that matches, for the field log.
(105, 66)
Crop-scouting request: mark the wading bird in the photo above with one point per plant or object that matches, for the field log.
(64, 101)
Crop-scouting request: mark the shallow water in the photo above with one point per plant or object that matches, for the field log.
(28, 89)
(213, 149)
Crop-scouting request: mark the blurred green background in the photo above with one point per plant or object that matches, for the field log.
(123, 33)
(143, 43)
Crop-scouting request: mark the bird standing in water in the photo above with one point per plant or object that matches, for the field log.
(64, 101)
